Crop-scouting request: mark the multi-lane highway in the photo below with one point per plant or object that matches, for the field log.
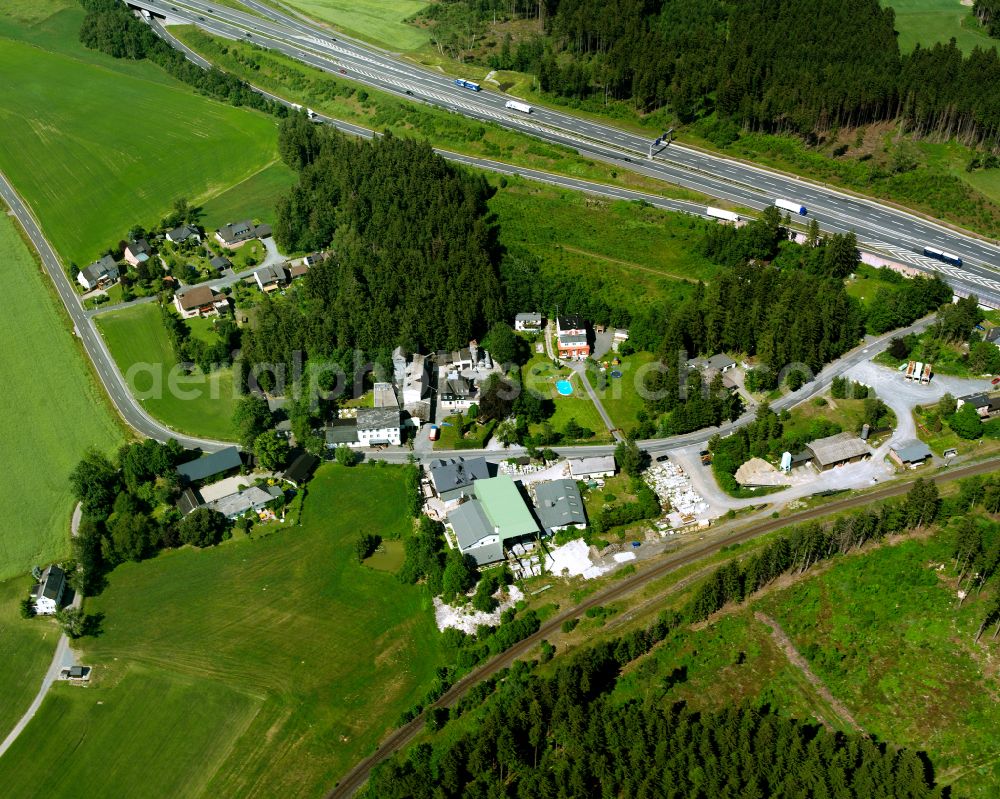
(900, 234)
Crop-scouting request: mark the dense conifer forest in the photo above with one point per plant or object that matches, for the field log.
(563, 734)
(416, 252)
(803, 66)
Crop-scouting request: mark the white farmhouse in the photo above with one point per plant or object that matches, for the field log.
(49, 591)
(379, 426)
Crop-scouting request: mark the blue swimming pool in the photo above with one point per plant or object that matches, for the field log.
(564, 387)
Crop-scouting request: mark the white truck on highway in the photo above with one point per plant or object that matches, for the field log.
(515, 105)
(788, 205)
(720, 213)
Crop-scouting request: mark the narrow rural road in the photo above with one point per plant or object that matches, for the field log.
(104, 365)
(402, 736)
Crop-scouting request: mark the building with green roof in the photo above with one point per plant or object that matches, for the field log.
(498, 514)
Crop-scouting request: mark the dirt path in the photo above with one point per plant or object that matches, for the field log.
(785, 644)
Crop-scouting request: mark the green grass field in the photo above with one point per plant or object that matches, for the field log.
(26, 647)
(280, 662)
(621, 398)
(136, 336)
(95, 145)
(55, 412)
(379, 21)
(254, 198)
(630, 254)
(928, 21)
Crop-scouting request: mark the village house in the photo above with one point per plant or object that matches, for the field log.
(254, 498)
(200, 301)
(182, 233)
(571, 336)
(986, 405)
(98, 274)
(235, 234)
(452, 478)
(528, 322)
(137, 252)
(270, 278)
(592, 468)
(377, 426)
(48, 593)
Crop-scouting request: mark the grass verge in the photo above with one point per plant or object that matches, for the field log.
(55, 411)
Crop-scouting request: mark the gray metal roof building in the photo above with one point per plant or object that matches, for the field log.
(911, 451)
(209, 465)
(453, 476)
(840, 448)
(253, 498)
(377, 418)
(558, 504)
(471, 525)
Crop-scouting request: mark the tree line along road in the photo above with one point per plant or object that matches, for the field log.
(402, 736)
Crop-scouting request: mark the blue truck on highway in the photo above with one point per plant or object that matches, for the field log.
(467, 84)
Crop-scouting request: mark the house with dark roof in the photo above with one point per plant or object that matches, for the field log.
(992, 335)
(342, 432)
(301, 469)
(910, 453)
(457, 394)
(378, 426)
(137, 252)
(236, 234)
(529, 322)
(48, 593)
(224, 460)
(183, 233)
(453, 478)
(297, 271)
(98, 274)
(558, 505)
(188, 501)
(270, 278)
(986, 405)
(220, 263)
(200, 300)
(571, 337)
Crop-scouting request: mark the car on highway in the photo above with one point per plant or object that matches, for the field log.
(343, 71)
(662, 458)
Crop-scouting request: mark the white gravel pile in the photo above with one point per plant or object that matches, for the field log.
(573, 560)
(673, 486)
(467, 619)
